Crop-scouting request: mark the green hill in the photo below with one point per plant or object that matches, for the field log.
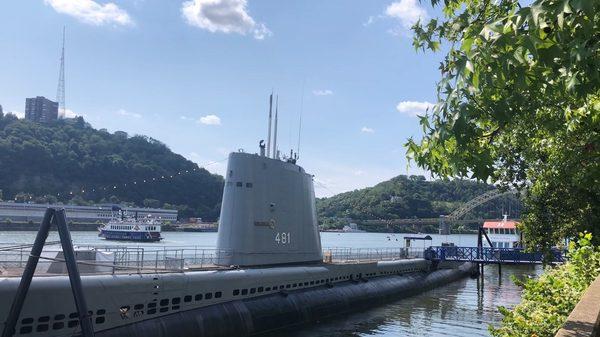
(400, 198)
(71, 162)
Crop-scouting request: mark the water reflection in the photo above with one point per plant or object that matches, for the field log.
(462, 308)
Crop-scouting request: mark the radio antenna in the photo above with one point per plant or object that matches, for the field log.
(60, 91)
(270, 117)
(300, 122)
(275, 154)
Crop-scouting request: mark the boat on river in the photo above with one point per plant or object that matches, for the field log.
(131, 229)
(503, 233)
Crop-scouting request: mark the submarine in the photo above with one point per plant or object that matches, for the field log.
(272, 275)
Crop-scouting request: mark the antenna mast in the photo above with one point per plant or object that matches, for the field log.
(300, 122)
(275, 131)
(60, 91)
(270, 117)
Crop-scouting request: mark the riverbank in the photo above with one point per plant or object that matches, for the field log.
(93, 227)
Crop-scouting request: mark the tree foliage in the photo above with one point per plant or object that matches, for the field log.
(519, 105)
(69, 161)
(547, 301)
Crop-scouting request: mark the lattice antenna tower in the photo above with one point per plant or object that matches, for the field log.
(60, 91)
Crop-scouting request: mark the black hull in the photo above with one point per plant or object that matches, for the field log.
(276, 311)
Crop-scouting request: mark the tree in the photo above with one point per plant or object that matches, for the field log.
(519, 105)
(69, 158)
(151, 203)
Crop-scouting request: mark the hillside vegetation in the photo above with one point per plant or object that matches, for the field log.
(71, 162)
(400, 198)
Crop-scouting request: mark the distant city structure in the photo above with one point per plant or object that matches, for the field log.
(41, 110)
(1, 112)
(60, 91)
(23, 212)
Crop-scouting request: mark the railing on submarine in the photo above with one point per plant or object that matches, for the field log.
(491, 255)
(115, 259)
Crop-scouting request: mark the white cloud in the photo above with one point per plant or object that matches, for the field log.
(212, 166)
(367, 130)
(224, 16)
(412, 108)
(71, 114)
(369, 21)
(333, 178)
(210, 120)
(408, 12)
(91, 12)
(325, 92)
(126, 113)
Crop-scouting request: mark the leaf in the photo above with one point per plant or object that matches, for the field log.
(572, 82)
(469, 65)
(466, 44)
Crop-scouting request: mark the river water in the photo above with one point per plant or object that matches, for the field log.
(463, 308)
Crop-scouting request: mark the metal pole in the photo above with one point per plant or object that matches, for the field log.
(156, 262)
(85, 318)
(36, 250)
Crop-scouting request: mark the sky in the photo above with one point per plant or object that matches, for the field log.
(197, 75)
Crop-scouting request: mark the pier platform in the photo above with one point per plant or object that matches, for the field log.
(489, 255)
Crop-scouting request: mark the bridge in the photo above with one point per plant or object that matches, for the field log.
(489, 255)
(456, 217)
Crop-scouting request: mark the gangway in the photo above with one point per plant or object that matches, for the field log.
(490, 255)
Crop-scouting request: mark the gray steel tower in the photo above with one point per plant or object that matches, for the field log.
(60, 91)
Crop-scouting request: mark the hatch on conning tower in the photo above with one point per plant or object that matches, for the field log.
(268, 213)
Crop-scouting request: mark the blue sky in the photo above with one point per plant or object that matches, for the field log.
(196, 75)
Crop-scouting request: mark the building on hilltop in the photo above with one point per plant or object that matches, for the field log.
(1, 112)
(41, 110)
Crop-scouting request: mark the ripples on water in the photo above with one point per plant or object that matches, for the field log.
(462, 308)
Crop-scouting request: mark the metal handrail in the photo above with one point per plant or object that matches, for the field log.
(179, 258)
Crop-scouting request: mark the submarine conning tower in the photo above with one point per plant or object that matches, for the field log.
(268, 213)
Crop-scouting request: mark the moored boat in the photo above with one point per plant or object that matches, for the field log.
(131, 229)
(503, 233)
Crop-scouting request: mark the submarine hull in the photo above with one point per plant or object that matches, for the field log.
(276, 311)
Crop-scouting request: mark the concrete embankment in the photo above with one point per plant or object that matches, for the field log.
(34, 226)
(284, 309)
(584, 320)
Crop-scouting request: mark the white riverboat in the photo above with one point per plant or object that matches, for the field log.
(503, 233)
(131, 229)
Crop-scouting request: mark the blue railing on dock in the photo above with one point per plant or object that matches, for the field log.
(489, 255)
